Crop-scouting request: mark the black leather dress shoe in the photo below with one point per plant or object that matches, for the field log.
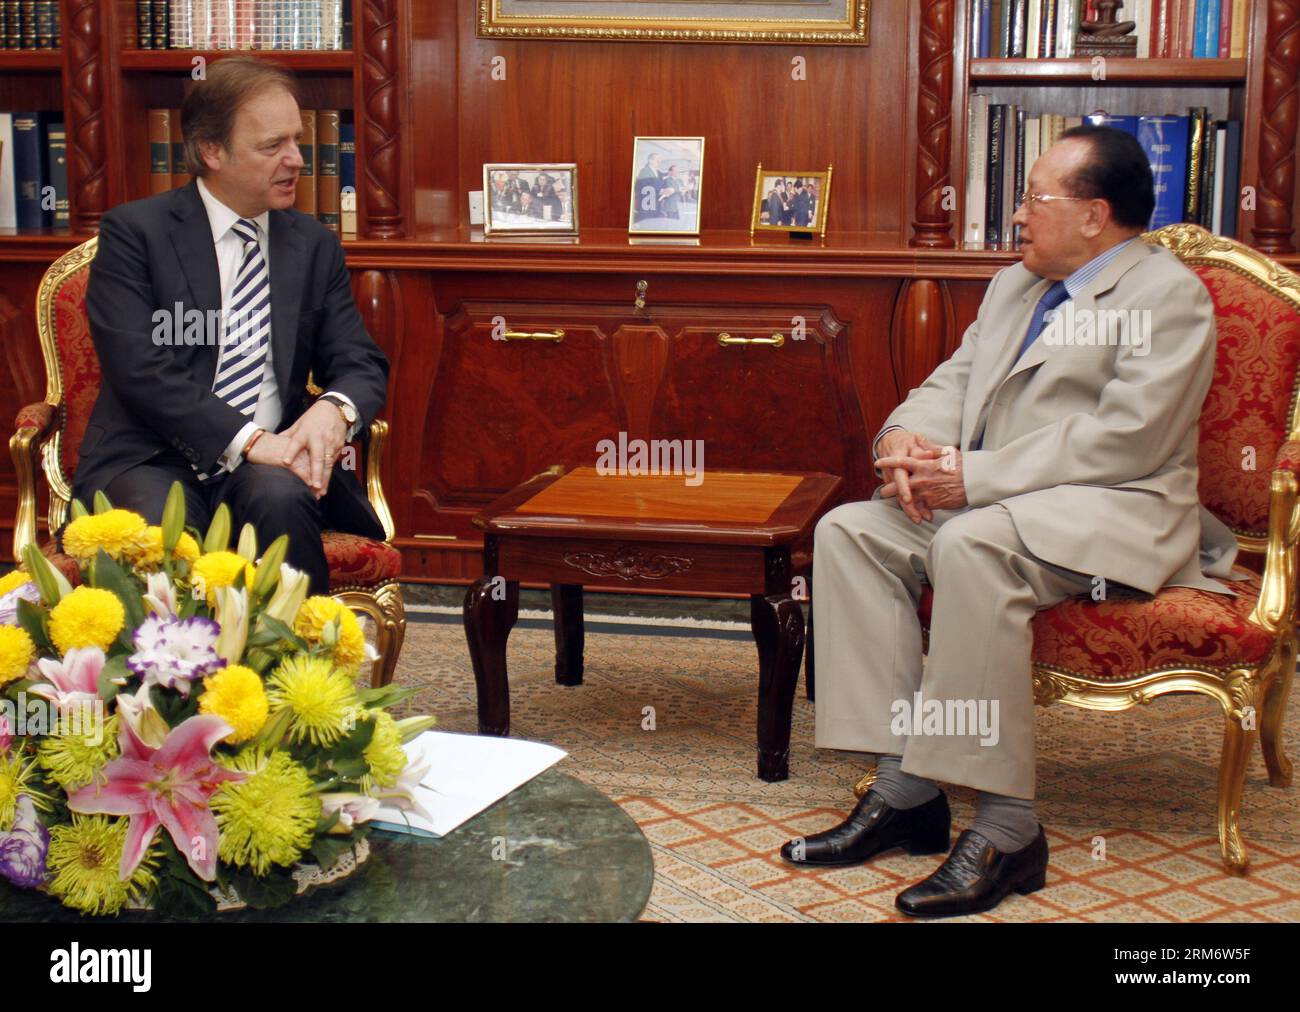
(976, 877)
(873, 828)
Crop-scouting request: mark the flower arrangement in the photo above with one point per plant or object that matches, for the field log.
(185, 724)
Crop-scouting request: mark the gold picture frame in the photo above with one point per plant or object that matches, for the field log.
(551, 187)
(792, 192)
(815, 22)
(673, 205)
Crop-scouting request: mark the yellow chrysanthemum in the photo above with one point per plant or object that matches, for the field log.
(321, 697)
(150, 557)
(219, 569)
(384, 753)
(88, 617)
(73, 760)
(318, 612)
(269, 818)
(236, 695)
(16, 653)
(14, 580)
(15, 774)
(121, 533)
(83, 862)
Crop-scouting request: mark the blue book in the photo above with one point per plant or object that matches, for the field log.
(1164, 139)
(1206, 42)
(31, 173)
(1129, 124)
(347, 152)
(986, 27)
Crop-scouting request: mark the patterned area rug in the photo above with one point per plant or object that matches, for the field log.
(1127, 799)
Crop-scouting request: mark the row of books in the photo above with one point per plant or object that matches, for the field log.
(29, 24)
(243, 24)
(1195, 163)
(1168, 29)
(33, 170)
(329, 154)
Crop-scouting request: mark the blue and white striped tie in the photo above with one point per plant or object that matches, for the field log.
(247, 334)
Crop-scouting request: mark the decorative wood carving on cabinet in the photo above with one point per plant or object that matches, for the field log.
(934, 126)
(92, 188)
(922, 334)
(1281, 106)
(381, 141)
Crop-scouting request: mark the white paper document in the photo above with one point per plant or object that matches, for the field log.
(467, 773)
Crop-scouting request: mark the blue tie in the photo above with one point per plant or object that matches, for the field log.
(1052, 298)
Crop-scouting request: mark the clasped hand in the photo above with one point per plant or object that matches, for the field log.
(923, 475)
(308, 448)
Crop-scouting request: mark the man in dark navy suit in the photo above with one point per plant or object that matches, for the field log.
(209, 305)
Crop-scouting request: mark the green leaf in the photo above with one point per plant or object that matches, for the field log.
(386, 696)
(350, 769)
(274, 730)
(102, 505)
(354, 743)
(114, 667)
(285, 633)
(274, 889)
(36, 623)
(328, 849)
(108, 575)
(327, 822)
(49, 581)
(172, 706)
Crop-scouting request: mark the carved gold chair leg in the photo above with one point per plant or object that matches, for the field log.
(1239, 730)
(385, 607)
(1274, 715)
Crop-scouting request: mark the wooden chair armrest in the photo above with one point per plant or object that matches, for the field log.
(33, 424)
(373, 440)
(39, 416)
(1275, 609)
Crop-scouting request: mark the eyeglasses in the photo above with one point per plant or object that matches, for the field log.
(1041, 198)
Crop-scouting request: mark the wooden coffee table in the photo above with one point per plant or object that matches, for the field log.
(735, 532)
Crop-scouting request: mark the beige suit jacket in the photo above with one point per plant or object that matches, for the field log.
(1091, 447)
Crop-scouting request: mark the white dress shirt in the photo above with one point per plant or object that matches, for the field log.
(230, 253)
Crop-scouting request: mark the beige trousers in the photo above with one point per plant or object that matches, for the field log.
(870, 564)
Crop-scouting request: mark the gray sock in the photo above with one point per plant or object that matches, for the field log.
(1007, 823)
(898, 789)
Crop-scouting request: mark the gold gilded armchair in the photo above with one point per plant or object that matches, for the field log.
(363, 572)
(1131, 648)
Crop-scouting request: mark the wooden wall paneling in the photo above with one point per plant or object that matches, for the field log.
(585, 101)
(437, 200)
(1274, 224)
(935, 119)
(383, 94)
(91, 107)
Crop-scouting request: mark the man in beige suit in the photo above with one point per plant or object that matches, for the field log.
(1054, 454)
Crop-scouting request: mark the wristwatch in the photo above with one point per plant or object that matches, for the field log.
(348, 412)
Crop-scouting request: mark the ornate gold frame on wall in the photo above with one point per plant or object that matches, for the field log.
(851, 29)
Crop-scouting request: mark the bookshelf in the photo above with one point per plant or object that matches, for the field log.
(1256, 90)
(886, 295)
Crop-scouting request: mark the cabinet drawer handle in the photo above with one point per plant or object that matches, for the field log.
(776, 340)
(535, 335)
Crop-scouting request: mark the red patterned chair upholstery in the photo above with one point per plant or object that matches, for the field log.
(363, 572)
(1130, 648)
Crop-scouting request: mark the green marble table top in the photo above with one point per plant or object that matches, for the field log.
(555, 849)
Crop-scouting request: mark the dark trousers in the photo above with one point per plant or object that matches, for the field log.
(273, 499)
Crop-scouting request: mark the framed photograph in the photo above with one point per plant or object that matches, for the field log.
(790, 201)
(667, 176)
(530, 198)
(823, 22)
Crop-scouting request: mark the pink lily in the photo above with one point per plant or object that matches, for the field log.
(6, 735)
(168, 786)
(73, 681)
